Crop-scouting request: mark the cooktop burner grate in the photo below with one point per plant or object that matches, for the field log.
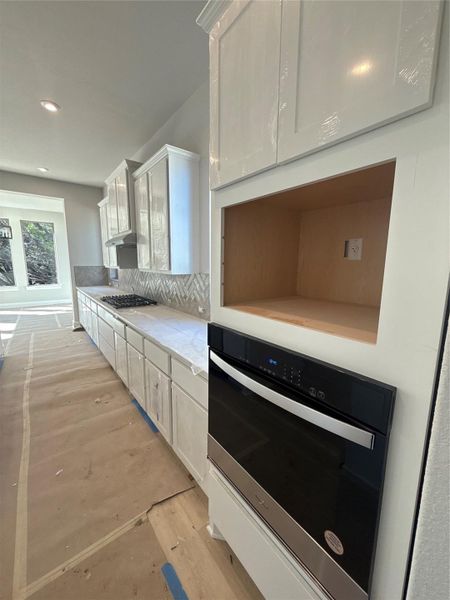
(127, 301)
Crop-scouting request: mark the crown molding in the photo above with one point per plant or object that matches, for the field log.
(212, 12)
(166, 151)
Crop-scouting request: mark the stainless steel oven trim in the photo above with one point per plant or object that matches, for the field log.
(340, 428)
(323, 569)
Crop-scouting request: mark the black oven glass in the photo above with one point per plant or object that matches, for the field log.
(323, 481)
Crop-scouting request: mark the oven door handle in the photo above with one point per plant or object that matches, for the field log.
(340, 428)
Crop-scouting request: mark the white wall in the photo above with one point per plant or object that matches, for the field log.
(22, 294)
(430, 574)
(188, 128)
(81, 210)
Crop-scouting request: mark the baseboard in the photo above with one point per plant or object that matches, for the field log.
(35, 303)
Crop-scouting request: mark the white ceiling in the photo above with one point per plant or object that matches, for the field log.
(117, 69)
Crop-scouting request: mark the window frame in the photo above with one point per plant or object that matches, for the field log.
(14, 287)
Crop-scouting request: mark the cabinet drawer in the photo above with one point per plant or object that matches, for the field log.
(194, 385)
(102, 313)
(135, 339)
(94, 306)
(106, 332)
(157, 356)
(113, 322)
(107, 351)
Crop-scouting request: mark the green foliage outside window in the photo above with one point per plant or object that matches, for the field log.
(39, 247)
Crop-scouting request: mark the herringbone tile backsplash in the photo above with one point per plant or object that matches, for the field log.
(183, 292)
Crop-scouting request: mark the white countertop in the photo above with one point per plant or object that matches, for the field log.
(180, 334)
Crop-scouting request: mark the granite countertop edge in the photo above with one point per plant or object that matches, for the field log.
(197, 360)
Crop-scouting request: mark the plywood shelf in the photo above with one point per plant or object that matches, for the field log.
(284, 256)
(338, 318)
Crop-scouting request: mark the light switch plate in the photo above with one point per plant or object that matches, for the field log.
(353, 249)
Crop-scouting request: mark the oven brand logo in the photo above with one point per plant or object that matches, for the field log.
(334, 542)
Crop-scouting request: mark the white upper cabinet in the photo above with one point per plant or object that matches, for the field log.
(123, 201)
(104, 230)
(113, 225)
(347, 67)
(109, 252)
(142, 221)
(159, 216)
(167, 213)
(244, 67)
(121, 210)
(291, 77)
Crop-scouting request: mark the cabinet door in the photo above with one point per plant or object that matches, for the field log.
(113, 226)
(348, 67)
(142, 221)
(104, 233)
(136, 375)
(245, 63)
(94, 327)
(159, 216)
(190, 430)
(112, 251)
(88, 321)
(123, 210)
(159, 405)
(121, 358)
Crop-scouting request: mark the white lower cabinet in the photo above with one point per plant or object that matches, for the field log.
(190, 431)
(106, 332)
(136, 374)
(121, 358)
(94, 328)
(174, 398)
(107, 350)
(159, 404)
(274, 570)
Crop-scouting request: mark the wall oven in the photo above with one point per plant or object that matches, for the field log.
(305, 444)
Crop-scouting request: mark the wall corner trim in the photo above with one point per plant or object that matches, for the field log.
(212, 12)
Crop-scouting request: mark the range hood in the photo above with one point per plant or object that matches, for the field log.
(123, 239)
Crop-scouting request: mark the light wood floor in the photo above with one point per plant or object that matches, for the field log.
(207, 568)
(94, 503)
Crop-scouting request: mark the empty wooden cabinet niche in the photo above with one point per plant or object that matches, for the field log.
(312, 256)
(167, 212)
(291, 77)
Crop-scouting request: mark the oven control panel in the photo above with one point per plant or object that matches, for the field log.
(321, 382)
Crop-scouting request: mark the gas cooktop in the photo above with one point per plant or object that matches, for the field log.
(127, 301)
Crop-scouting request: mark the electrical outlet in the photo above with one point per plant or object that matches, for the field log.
(353, 249)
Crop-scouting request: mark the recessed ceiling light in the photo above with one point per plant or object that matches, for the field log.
(42, 169)
(362, 68)
(50, 105)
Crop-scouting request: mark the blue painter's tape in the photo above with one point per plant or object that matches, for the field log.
(174, 584)
(145, 416)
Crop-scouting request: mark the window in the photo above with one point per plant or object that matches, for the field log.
(6, 265)
(39, 247)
